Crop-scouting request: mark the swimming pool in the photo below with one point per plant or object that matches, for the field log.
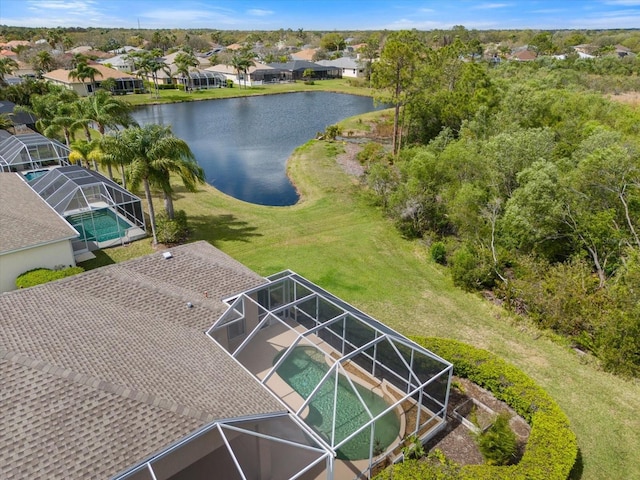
(33, 175)
(99, 225)
(303, 369)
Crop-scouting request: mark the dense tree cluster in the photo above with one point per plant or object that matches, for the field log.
(529, 181)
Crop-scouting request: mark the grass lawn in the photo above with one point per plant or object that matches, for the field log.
(334, 238)
(339, 85)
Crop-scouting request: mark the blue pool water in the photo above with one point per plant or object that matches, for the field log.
(303, 369)
(99, 225)
(33, 175)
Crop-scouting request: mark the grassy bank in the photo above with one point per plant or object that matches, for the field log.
(172, 96)
(335, 239)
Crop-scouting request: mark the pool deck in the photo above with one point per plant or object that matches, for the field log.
(258, 358)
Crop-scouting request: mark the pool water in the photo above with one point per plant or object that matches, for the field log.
(33, 175)
(303, 369)
(99, 225)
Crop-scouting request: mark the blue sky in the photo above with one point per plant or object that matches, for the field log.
(323, 15)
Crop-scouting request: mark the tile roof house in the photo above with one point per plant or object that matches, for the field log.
(32, 234)
(119, 373)
(125, 83)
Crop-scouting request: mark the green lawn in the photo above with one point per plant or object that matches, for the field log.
(334, 238)
(172, 96)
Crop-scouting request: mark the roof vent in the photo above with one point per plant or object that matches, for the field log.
(167, 255)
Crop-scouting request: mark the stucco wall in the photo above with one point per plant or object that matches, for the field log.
(45, 256)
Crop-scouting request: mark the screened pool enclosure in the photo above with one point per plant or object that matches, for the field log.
(103, 212)
(360, 387)
(31, 151)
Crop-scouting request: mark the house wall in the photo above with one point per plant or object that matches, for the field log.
(14, 264)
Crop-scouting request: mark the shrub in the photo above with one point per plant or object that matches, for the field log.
(372, 152)
(438, 252)
(332, 131)
(498, 443)
(38, 276)
(472, 269)
(229, 83)
(172, 231)
(552, 447)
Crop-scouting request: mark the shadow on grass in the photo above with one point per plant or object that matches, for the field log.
(216, 228)
(578, 467)
(101, 260)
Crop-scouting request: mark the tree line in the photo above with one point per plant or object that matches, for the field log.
(523, 182)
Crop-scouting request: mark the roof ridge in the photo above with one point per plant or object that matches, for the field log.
(105, 386)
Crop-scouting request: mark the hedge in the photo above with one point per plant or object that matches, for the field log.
(552, 448)
(44, 275)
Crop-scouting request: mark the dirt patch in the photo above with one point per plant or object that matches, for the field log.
(629, 98)
(348, 160)
(456, 441)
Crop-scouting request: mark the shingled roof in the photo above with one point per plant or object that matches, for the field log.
(103, 369)
(25, 219)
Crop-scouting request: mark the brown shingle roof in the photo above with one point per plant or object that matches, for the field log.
(105, 368)
(25, 219)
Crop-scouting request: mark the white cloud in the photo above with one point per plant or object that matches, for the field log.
(489, 6)
(624, 3)
(256, 12)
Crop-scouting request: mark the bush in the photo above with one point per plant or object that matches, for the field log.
(172, 231)
(552, 447)
(332, 131)
(38, 276)
(229, 83)
(372, 152)
(472, 269)
(438, 253)
(498, 443)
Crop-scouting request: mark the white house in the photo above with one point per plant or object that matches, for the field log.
(32, 234)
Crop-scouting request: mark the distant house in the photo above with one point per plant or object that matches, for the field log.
(349, 67)
(257, 74)
(295, 69)
(33, 235)
(124, 83)
(306, 54)
(524, 56)
(122, 63)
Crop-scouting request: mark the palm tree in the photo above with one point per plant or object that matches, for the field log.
(5, 122)
(7, 67)
(55, 113)
(82, 72)
(84, 152)
(241, 63)
(184, 61)
(154, 153)
(105, 111)
(43, 62)
(149, 64)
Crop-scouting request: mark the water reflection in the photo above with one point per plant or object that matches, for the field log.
(243, 143)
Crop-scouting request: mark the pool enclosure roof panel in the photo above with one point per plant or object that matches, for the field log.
(343, 342)
(31, 148)
(74, 188)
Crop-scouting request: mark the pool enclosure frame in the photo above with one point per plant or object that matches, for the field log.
(73, 189)
(357, 348)
(31, 151)
(241, 447)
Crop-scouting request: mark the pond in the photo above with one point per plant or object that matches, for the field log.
(243, 143)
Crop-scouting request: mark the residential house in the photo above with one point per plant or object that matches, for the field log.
(349, 67)
(257, 74)
(295, 70)
(32, 234)
(123, 372)
(125, 83)
(306, 54)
